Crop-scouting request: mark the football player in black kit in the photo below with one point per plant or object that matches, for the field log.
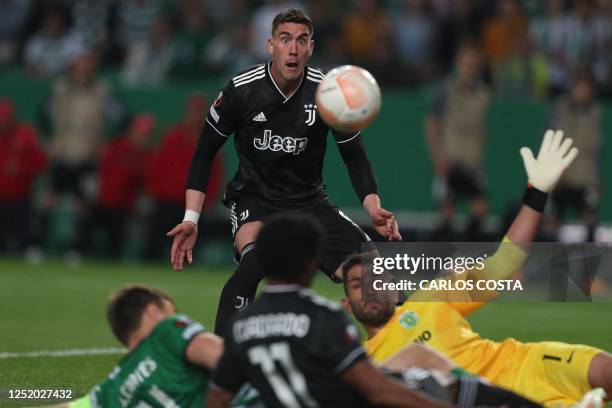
(300, 350)
(296, 348)
(280, 140)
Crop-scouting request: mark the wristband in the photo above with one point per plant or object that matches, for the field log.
(534, 198)
(191, 216)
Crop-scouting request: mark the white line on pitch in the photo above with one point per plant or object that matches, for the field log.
(62, 353)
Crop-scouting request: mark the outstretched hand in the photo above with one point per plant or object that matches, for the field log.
(185, 235)
(384, 222)
(555, 155)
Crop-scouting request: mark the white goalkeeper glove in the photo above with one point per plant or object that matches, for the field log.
(554, 157)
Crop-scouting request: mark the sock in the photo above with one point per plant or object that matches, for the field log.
(239, 291)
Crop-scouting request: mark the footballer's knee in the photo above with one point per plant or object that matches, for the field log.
(600, 372)
(247, 234)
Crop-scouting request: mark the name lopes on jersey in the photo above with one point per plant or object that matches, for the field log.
(277, 143)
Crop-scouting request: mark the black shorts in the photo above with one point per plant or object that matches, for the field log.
(461, 181)
(582, 200)
(72, 179)
(343, 237)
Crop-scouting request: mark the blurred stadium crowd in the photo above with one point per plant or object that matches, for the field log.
(531, 46)
(526, 49)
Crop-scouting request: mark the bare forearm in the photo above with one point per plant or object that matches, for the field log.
(194, 200)
(510, 256)
(523, 230)
(371, 202)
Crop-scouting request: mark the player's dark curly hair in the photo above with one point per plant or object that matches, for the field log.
(126, 306)
(347, 265)
(292, 16)
(288, 244)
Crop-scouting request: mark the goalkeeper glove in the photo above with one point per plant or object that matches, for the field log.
(554, 157)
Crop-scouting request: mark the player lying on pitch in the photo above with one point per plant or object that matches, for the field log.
(552, 373)
(170, 357)
(300, 350)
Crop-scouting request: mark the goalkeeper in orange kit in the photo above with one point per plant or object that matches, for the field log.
(552, 373)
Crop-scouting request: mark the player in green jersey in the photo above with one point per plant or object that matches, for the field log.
(169, 356)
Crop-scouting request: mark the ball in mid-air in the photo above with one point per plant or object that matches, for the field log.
(348, 98)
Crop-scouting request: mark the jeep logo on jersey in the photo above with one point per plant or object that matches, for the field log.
(277, 143)
(311, 113)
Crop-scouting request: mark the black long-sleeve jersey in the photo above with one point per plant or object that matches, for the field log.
(280, 141)
(292, 345)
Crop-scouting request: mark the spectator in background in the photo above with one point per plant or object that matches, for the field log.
(503, 33)
(222, 11)
(363, 28)
(230, 51)
(581, 44)
(580, 117)
(13, 18)
(464, 23)
(53, 48)
(121, 176)
(456, 136)
(549, 34)
(414, 34)
(603, 64)
(523, 74)
(80, 107)
(261, 21)
(21, 160)
(442, 8)
(91, 19)
(384, 64)
(135, 19)
(330, 52)
(193, 35)
(148, 62)
(168, 176)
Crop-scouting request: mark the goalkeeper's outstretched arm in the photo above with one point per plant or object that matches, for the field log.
(543, 172)
(555, 155)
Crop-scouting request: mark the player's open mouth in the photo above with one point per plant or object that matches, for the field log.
(292, 65)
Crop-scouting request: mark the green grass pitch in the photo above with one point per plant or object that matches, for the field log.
(54, 307)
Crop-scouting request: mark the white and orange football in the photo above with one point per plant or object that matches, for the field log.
(348, 98)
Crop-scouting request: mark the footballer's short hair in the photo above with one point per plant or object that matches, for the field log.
(127, 305)
(346, 266)
(292, 15)
(287, 244)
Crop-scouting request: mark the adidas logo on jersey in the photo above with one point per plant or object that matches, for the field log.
(260, 117)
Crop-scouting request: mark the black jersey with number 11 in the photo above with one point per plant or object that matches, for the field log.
(292, 346)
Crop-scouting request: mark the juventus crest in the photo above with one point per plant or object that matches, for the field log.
(311, 114)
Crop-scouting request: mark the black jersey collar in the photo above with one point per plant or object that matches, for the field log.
(281, 94)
